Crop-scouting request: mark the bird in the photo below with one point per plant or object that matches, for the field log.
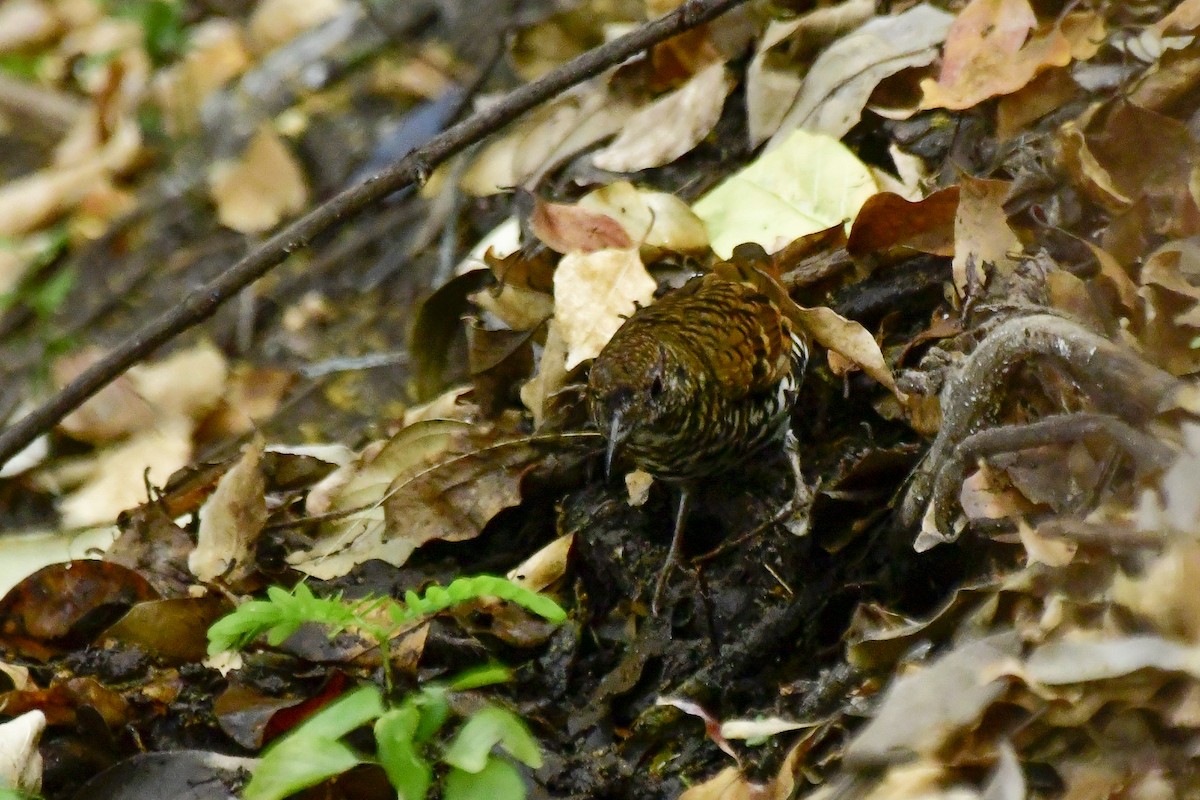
(695, 384)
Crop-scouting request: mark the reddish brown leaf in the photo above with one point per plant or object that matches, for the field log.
(888, 220)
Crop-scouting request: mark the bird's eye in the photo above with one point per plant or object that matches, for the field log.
(656, 388)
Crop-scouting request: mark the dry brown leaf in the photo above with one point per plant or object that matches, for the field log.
(551, 375)
(851, 341)
(992, 50)
(566, 228)
(887, 220)
(261, 187)
(231, 520)
(923, 710)
(1043, 549)
(593, 294)
(440, 479)
(545, 566)
(670, 126)
(775, 74)
(518, 307)
(544, 138)
(983, 239)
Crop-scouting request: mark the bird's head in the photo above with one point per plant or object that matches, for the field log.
(633, 388)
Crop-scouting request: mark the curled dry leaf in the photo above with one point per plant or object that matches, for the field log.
(593, 294)
(775, 74)
(434, 480)
(544, 138)
(264, 185)
(118, 475)
(849, 340)
(841, 80)
(670, 126)
(924, 710)
(231, 520)
(551, 375)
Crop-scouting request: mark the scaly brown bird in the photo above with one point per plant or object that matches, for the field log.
(700, 381)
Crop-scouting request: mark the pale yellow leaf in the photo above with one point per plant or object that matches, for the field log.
(808, 183)
(593, 294)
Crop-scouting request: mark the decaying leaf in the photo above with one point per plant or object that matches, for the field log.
(984, 243)
(567, 228)
(440, 479)
(991, 50)
(851, 341)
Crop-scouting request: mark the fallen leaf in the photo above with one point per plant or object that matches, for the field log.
(230, 522)
(657, 220)
(440, 479)
(551, 375)
(670, 126)
(850, 340)
(887, 220)
(983, 241)
(923, 710)
(546, 137)
(568, 228)
(775, 74)
(20, 760)
(992, 50)
(261, 187)
(806, 184)
(593, 294)
(119, 474)
(841, 80)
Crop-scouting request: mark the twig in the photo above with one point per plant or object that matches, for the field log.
(202, 303)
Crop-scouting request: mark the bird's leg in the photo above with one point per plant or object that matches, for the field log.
(673, 553)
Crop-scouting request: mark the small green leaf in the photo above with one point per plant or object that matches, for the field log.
(296, 763)
(435, 710)
(343, 715)
(483, 675)
(497, 780)
(483, 731)
(407, 771)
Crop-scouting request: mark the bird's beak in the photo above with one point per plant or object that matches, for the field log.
(615, 434)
